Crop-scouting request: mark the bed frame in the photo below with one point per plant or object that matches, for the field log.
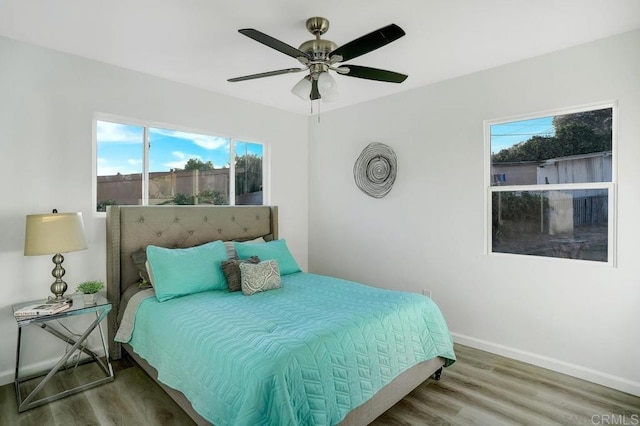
(130, 228)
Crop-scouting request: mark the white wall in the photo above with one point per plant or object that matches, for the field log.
(576, 317)
(427, 233)
(47, 102)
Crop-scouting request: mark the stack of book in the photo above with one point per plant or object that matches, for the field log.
(44, 308)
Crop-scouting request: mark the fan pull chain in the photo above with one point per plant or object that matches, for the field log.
(311, 109)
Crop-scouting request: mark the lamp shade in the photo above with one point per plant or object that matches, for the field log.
(328, 87)
(54, 233)
(302, 89)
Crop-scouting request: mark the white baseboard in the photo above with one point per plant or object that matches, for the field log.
(8, 376)
(604, 379)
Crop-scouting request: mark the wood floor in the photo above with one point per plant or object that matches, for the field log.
(479, 389)
(486, 389)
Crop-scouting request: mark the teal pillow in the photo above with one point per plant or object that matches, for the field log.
(178, 272)
(272, 250)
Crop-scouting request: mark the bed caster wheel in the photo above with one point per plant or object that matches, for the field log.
(437, 374)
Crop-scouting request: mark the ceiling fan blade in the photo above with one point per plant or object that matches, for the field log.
(367, 43)
(315, 93)
(266, 74)
(374, 74)
(272, 43)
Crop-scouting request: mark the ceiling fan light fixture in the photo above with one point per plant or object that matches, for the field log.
(302, 89)
(328, 87)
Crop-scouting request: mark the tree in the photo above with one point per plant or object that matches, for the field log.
(181, 200)
(102, 205)
(205, 196)
(534, 149)
(197, 164)
(599, 121)
(248, 174)
(578, 138)
(208, 196)
(579, 133)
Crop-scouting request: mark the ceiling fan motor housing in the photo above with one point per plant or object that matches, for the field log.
(318, 50)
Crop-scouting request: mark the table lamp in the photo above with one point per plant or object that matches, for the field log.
(55, 233)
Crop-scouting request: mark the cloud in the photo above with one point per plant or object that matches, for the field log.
(175, 164)
(181, 160)
(115, 132)
(207, 142)
(110, 170)
(106, 167)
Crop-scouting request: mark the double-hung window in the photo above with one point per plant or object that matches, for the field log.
(550, 184)
(139, 164)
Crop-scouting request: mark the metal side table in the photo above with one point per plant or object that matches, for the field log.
(101, 308)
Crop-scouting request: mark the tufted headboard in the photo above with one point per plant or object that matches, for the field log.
(130, 228)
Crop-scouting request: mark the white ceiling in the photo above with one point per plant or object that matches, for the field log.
(196, 41)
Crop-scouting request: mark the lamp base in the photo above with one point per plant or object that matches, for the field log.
(59, 286)
(67, 299)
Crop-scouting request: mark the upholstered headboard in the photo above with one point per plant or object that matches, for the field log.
(130, 228)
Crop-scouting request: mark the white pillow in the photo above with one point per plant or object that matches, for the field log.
(231, 249)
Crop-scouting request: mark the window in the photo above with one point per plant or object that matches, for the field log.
(550, 185)
(144, 165)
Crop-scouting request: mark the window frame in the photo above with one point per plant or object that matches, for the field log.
(146, 125)
(611, 187)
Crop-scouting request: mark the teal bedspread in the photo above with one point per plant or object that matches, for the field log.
(305, 354)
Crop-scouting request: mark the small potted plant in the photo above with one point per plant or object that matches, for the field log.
(89, 290)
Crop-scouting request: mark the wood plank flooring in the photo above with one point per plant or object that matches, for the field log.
(479, 389)
(486, 389)
(133, 398)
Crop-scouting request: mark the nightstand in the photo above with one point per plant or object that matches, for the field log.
(100, 309)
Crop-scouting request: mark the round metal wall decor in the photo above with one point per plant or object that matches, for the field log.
(375, 170)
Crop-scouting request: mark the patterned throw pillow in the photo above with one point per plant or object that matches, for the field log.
(231, 270)
(259, 277)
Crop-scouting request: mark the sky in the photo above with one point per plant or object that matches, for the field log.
(120, 149)
(506, 135)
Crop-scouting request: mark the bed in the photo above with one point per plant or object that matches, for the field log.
(132, 228)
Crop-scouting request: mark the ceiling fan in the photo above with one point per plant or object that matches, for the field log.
(319, 56)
